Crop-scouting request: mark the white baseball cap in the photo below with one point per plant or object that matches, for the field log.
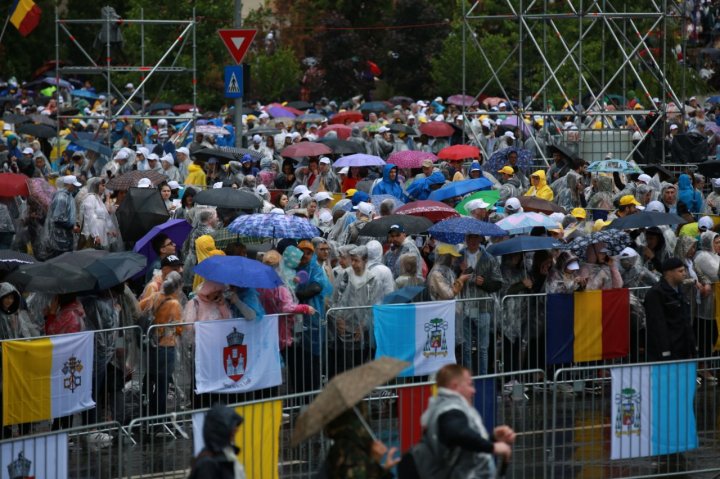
(27, 151)
(71, 180)
(471, 206)
(217, 185)
(513, 204)
(261, 190)
(628, 253)
(715, 182)
(300, 189)
(645, 178)
(655, 207)
(174, 185)
(383, 129)
(673, 127)
(421, 103)
(509, 134)
(153, 157)
(365, 208)
(121, 155)
(257, 139)
(144, 183)
(129, 86)
(183, 150)
(344, 171)
(141, 150)
(572, 266)
(323, 196)
(325, 160)
(169, 158)
(705, 223)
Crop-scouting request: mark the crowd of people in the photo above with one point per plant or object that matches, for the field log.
(340, 268)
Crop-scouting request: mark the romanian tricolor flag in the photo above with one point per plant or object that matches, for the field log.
(25, 15)
(587, 326)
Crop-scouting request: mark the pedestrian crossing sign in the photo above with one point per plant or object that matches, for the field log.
(233, 81)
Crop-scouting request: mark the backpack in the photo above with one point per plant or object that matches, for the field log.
(430, 463)
(147, 317)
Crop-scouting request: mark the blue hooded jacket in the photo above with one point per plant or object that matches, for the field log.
(313, 329)
(689, 195)
(389, 187)
(420, 189)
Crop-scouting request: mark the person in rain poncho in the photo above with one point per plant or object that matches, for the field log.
(539, 186)
(692, 198)
(204, 248)
(712, 202)
(98, 227)
(390, 185)
(196, 176)
(205, 222)
(375, 265)
(570, 191)
(14, 320)
(563, 276)
(514, 319)
(420, 189)
(62, 218)
(599, 269)
(218, 459)
(634, 274)
(602, 198)
(511, 186)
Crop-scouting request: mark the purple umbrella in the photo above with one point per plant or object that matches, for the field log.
(280, 112)
(462, 100)
(712, 126)
(514, 120)
(176, 230)
(359, 159)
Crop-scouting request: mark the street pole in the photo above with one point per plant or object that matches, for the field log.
(237, 23)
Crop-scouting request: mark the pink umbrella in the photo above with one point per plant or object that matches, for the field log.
(343, 131)
(432, 210)
(514, 120)
(462, 100)
(306, 148)
(437, 128)
(493, 101)
(410, 158)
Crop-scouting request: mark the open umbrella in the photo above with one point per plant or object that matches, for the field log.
(55, 278)
(613, 165)
(459, 152)
(644, 219)
(280, 112)
(408, 294)
(311, 118)
(499, 159)
(228, 198)
(410, 158)
(115, 268)
(453, 230)
(16, 119)
(43, 120)
(460, 188)
(345, 117)
(343, 392)
(176, 230)
(264, 225)
(521, 244)
(400, 128)
(299, 105)
(412, 224)
(375, 106)
(211, 130)
(80, 258)
(11, 260)
(159, 106)
(342, 131)
(183, 108)
(141, 209)
(342, 147)
(614, 240)
(397, 100)
(539, 205)
(13, 184)
(562, 149)
(359, 159)
(516, 121)
(437, 129)
(38, 131)
(305, 148)
(488, 196)
(262, 130)
(238, 271)
(432, 210)
(377, 200)
(95, 146)
(130, 179)
(462, 100)
(520, 223)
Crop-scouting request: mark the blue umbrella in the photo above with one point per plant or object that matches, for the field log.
(94, 146)
(713, 99)
(238, 271)
(58, 82)
(460, 188)
(520, 244)
(359, 159)
(408, 294)
(612, 166)
(176, 230)
(499, 159)
(453, 230)
(85, 94)
(265, 225)
(375, 106)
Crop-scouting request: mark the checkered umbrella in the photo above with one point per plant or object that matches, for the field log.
(264, 225)
(130, 179)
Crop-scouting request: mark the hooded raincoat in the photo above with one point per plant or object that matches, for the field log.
(386, 186)
(542, 190)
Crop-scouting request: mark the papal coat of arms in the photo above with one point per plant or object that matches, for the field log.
(72, 369)
(436, 340)
(20, 467)
(627, 420)
(235, 355)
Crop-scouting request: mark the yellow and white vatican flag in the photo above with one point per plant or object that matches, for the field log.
(47, 378)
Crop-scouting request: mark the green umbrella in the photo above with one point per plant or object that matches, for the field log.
(488, 196)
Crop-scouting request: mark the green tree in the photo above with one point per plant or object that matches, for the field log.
(275, 76)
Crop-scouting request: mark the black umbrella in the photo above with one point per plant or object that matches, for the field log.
(665, 174)
(300, 105)
(412, 224)
(708, 168)
(342, 147)
(159, 106)
(226, 154)
(562, 149)
(115, 268)
(43, 120)
(10, 260)
(141, 209)
(396, 100)
(400, 128)
(55, 278)
(228, 198)
(646, 220)
(16, 119)
(79, 259)
(38, 131)
(262, 130)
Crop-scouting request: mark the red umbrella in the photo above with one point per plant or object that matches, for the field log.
(459, 152)
(345, 117)
(436, 128)
(410, 158)
(462, 100)
(306, 148)
(183, 108)
(343, 131)
(13, 184)
(432, 210)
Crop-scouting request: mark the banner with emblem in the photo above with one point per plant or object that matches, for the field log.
(652, 410)
(46, 378)
(237, 355)
(41, 456)
(422, 334)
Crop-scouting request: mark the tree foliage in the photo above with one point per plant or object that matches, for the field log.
(275, 76)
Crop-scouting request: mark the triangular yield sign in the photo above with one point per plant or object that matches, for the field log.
(237, 42)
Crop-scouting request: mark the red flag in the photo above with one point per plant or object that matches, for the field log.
(412, 402)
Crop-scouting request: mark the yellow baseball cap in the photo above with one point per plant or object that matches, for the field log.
(447, 249)
(629, 200)
(579, 213)
(349, 193)
(600, 224)
(508, 170)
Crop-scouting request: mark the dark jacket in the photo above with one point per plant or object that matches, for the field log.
(670, 335)
(212, 462)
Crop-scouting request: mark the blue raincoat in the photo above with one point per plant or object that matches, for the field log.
(313, 331)
(389, 187)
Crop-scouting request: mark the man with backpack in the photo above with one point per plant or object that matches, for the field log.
(455, 443)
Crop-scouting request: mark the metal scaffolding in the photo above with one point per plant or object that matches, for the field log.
(67, 30)
(547, 58)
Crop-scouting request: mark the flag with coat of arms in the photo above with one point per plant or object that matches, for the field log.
(237, 355)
